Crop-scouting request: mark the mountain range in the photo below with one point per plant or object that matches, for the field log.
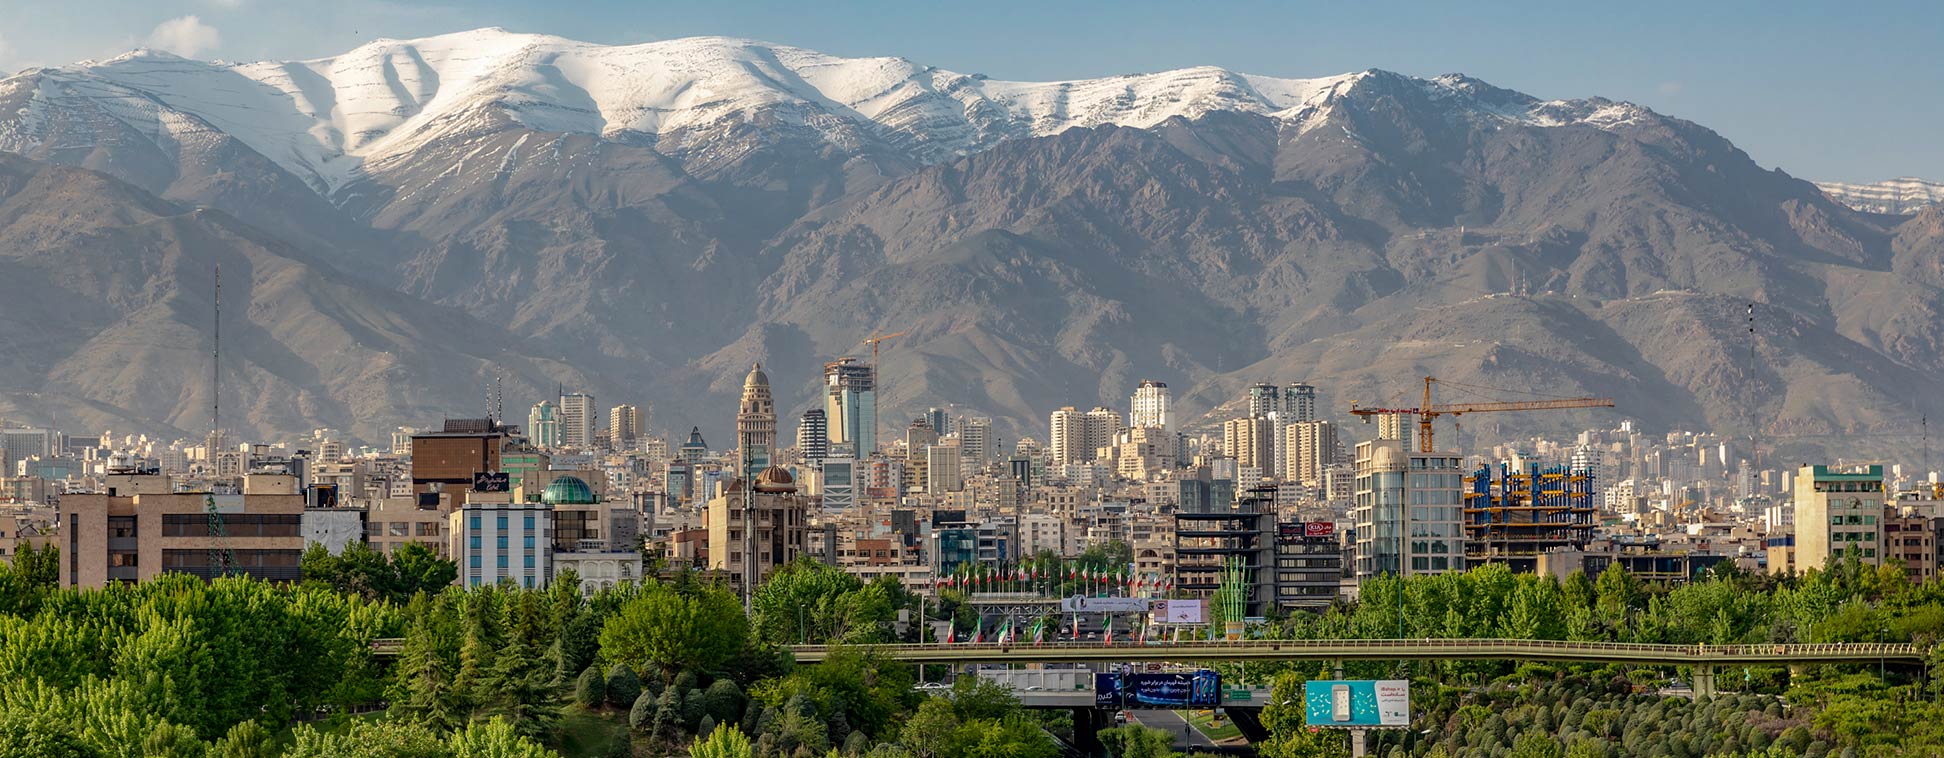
(402, 223)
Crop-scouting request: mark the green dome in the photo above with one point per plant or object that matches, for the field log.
(568, 490)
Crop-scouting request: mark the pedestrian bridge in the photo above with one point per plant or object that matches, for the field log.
(1388, 649)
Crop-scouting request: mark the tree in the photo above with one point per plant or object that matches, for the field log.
(38, 567)
(725, 742)
(807, 601)
(415, 568)
(245, 740)
(723, 700)
(695, 630)
(622, 686)
(494, 739)
(1136, 741)
(927, 729)
(641, 717)
(590, 690)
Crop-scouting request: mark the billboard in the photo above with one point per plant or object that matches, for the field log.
(1357, 703)
(1201, 689)
(492, 481)
(1179, 611)
(1104, 605)
(1296, 531)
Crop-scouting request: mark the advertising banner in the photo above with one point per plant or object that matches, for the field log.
(1180, 611)
(1201, 689)
(1104, 605)
(1358, 703)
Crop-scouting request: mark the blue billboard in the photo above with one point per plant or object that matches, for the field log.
(1358, 703)
(1201, 689)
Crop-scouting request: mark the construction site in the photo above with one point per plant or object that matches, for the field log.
(1511, 516)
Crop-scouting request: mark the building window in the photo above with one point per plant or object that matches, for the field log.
(529, 542)
(474, 540)
(529, 523)
(502, 560)
(502, 523)
(475, 523)
(475, 561)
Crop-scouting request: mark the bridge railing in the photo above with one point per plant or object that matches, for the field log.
(1702, 652)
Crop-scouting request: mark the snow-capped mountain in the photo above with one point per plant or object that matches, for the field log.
(1896, 196)
(329, 121)
(644, 221)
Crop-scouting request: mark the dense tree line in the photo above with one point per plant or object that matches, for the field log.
(235, 667)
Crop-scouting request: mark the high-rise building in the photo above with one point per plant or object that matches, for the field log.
(1398, 426)
(1407, 510)
(977, 446)
(694, 449)
(1299, 403)
(939, 420)
(543, 425)
(624, 426)
(942, 471)
(1312, 447)
(1068, 435)
(497, 540)
(1264, 399)
(1150, 406)
(1835, 510)
(813, 435)
(756, 422)
(1102, 424)
(919, 437)
(850, 406)
(1248, 441)
(578, 419)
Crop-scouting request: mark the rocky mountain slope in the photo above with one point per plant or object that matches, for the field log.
(657, 216)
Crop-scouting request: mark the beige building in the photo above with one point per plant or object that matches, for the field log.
(1248, 441)
(749, 545)
(1836, 510)
(394, 522)
(139, 528)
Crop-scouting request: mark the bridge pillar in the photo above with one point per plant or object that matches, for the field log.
(1086, 731)
(1704, 680)
(1336, 670)
(1249, 721)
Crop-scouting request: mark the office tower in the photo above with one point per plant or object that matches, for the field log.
(1264, 399)
(1407, 510)
(942, 470)
(543, 425)
(1150, 406)
(756, 422)
(1237, 541)
(1835, 510)
(1299, 403)
(977, 447)
(940, 423)
(1068, 435)
(813, 435)
(503, 541)
(577, 420)
(1515, 514)
(624, 426)
(1248, 441)
(850, 407)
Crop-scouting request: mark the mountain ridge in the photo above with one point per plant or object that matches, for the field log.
(1379, 228)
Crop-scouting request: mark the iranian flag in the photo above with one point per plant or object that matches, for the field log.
(951, 634)
(1039, 632)
(978, 632)
(1110, 631)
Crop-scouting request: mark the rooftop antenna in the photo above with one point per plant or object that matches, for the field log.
(216, 361)
(499, 400)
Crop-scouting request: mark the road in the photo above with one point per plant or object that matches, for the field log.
(1172, 723)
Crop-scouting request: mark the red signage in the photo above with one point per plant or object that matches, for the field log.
(1319, 528)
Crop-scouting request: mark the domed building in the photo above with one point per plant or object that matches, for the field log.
(568, 490)
(746, 544)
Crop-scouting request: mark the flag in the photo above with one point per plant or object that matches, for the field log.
(1110, 630)
(978, 632)
(1039, 632)
(951, 634)
(1140, 638)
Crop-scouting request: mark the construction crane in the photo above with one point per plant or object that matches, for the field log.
(876, 338)
(1429, 411)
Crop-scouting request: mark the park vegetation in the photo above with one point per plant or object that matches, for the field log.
(237, 668)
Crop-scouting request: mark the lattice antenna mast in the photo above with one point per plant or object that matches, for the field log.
(221, 558)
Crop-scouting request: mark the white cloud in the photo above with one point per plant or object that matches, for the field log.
(185, 36)
(228, 4)
(1670, 88)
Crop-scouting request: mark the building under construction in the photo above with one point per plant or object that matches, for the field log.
(1513, 517)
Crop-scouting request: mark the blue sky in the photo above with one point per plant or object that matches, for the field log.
(1817, 89)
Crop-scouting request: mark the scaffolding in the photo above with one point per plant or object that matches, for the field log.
(1516, 515)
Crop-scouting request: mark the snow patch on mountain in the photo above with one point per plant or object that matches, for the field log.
(1896, 196)
(331, 120)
